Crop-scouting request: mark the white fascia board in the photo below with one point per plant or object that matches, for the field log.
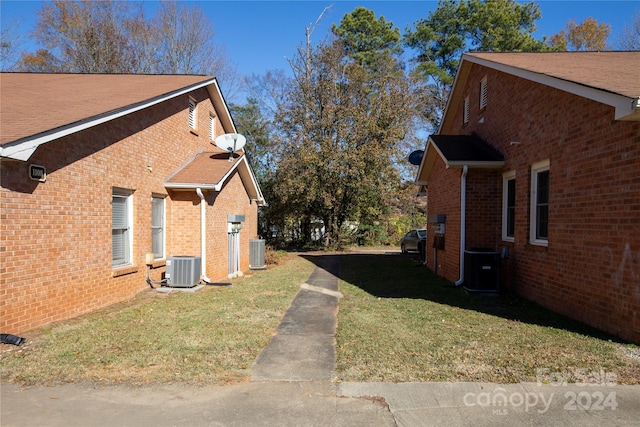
(227, 112)
(475, 165)
(623, 105)
(193, 186)
(252, 179)
(426, 157)
(23, 148)
(245, 173)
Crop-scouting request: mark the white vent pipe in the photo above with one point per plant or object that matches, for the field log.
(463, 221)
(203, 235)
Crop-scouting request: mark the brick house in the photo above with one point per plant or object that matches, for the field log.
(97, 173)
(537, 164)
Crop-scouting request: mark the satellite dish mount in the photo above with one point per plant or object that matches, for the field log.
(230, 142)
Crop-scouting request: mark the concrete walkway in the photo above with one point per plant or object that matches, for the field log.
(292, 385)
(303, 348)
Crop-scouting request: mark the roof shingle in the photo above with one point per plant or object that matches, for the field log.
(615, 72)
(32, 103)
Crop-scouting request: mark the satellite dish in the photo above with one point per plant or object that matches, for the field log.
(230, 142)
(415, 158)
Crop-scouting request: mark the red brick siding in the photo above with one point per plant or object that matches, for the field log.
(55, 237)
(591, 267)
(444, 198)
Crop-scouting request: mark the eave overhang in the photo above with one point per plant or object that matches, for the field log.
(23, 148)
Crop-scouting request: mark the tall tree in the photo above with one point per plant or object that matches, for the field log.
(251, 122)
(11, 42)
(588, 36)
(185, 44)
(365, 38)
(111, 36)
(630, 37)
(439, 41)
(456, 26)
(84, 36)
(502, 25)
(339, 127)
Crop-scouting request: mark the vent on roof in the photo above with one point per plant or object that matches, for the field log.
(183, 271)
(465, 112)
(483, 92)
(192, 113)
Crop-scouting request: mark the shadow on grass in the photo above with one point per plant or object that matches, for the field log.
(391, 275)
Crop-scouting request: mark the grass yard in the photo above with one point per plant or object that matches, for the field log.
(399, 322)
(208, 337)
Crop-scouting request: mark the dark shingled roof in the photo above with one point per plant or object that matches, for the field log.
(465, 148)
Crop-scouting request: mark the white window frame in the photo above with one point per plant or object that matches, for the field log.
(506, 178)
(124, 230)
(193, 113)
(537, 168)
(158, 226)
(465, 110)
(483, 92)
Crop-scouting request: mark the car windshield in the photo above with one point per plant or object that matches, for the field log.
(422, 233)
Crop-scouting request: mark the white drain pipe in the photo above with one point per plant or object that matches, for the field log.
(203, 236)
(463, 221)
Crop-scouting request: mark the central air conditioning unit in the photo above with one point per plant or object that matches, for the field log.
(183, 271)
(257, 255)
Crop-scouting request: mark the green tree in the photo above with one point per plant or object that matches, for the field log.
(251, 122)
(340, 125)
(588, 36)
(439, 41)
(365, 38)
(502, 25)
(456, 26)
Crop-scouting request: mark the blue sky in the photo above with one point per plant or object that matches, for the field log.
(260, 35)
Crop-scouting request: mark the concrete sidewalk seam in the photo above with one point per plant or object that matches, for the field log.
(321, 290)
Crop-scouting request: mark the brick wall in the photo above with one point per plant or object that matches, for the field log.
(590, 269)
(444, 198)
(55, 237)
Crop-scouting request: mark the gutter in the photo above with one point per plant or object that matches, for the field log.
(463, 221)
(203, 236)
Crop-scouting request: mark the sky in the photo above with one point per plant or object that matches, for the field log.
(261, 35)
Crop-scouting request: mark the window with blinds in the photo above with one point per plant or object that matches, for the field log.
(157, 226)
(121, 229)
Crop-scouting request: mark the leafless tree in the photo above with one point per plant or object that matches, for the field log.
(11, 42)
(630, 37)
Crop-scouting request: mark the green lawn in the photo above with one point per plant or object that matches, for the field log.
(208, 337)
(397, 322)
(400, 322)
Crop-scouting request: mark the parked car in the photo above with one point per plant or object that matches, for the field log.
(411, 240)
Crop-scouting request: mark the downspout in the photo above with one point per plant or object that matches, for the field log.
(463, 221)
(203, 236)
